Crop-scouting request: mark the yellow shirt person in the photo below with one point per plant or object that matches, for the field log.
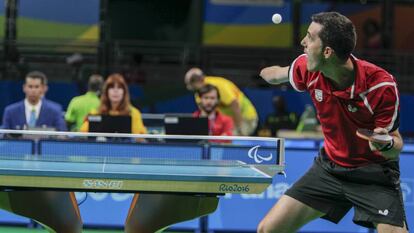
(233, 102)
(228, 93)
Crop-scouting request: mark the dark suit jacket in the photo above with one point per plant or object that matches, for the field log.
(50, 115)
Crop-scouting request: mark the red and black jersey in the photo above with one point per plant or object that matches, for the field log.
(372, 101)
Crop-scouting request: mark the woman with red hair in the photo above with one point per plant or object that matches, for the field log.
(115, 101)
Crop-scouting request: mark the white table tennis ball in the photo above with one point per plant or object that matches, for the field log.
(276, 18)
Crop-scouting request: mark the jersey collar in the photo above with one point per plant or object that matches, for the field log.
(357, 87)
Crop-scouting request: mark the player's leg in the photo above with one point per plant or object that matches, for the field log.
(316, 194)
(387, 228)
(287, 216)
(58, 211)
(151, 212)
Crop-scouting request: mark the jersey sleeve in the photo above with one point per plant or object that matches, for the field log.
(384, 102)
(298, 74)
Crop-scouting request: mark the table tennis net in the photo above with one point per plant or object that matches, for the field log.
(141, 149)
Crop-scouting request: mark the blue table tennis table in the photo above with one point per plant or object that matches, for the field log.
(131, 175)
(184, 177)
(128, 166)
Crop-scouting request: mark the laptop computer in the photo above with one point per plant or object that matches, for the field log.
(185, 124)
(109, 124)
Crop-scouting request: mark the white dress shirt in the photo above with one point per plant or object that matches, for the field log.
(28, 109)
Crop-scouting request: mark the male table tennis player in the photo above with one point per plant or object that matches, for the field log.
(348, 94)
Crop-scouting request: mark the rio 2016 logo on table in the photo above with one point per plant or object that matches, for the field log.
(254, 154)
(103, 184)
(234, 188)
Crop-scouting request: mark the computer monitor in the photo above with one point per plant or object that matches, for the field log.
(185, 124)
(109, 124)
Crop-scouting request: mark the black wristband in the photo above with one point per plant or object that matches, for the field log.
(388, 147)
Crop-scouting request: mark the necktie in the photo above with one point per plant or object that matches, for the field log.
(32, 118)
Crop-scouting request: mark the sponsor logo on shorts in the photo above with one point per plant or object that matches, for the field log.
(232, 188)
(103, 184)
(383, 212)
(254, 154)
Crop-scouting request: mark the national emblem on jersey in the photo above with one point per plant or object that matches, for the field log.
(318, 95)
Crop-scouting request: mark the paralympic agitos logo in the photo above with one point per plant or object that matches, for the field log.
(254, 154)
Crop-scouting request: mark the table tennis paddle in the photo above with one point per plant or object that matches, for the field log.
(370, 135)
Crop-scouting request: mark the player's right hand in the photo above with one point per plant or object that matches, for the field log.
(386, 149)
(376, 146)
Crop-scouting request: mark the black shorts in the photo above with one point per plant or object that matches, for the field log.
(374, 191)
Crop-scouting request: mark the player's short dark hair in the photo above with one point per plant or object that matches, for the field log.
(37, 75)
(338, 32)
(206, 89)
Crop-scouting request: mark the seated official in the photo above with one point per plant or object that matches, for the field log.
(34, 111)
(218, 124)
(115, 101)
(56, 211)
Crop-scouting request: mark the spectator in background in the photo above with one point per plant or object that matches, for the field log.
(279, 119)
(233, 102)
(34, 111)
(57, 211)
(115, 101)
(218, 124)
(80, 106)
